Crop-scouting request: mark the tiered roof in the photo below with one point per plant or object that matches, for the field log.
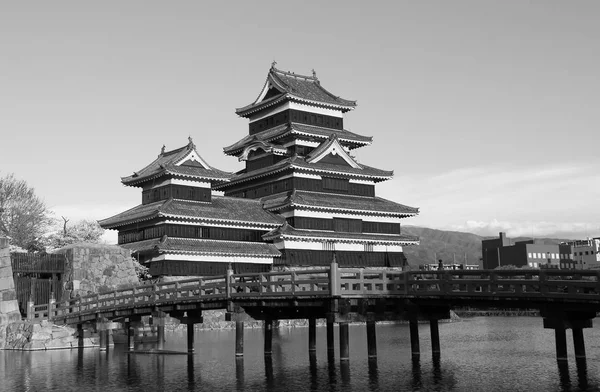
(184, 162)
(235, 211)
(300, 164)
(192, 246)
(282, 86)
(347, 138)
(340, 203)
(288, 232)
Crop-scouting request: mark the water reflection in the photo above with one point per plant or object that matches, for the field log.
(563, 374)
(345, 375)
(331, 367)
(239, 373)
(437, 369)
(269, 379)
(312, 358)
(191, 373)
(416, 373)
(468, 362)
(582, 376)
(373, 374)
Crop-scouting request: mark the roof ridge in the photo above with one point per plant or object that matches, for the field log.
(295, 75)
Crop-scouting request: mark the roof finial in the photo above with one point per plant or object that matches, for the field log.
(314, 73)
(273, 64)
(162, 150)
(191, 143)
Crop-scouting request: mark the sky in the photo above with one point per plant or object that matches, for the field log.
(487, 111)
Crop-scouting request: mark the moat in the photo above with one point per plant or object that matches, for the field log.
(481, 353)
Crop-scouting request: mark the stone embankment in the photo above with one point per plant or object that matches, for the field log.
(29, 336)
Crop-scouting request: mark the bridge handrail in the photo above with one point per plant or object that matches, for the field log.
(339, 282)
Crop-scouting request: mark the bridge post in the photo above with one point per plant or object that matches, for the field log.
(344, 342)
(435, 336)
(103, 327)
(128, 335)
(371, 339)
(312, 334)
(578, 342)
(330, 338)
(414, 336)
(159, 319)
(239, 338)
(80, 337)
(268, 333)
(190, 337)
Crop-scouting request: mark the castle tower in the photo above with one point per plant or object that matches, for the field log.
(298, 164)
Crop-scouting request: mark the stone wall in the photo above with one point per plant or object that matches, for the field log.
(9, 307)
(96, 268)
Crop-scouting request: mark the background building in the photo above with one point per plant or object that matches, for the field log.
(531, 253)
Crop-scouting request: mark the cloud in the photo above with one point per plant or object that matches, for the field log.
(568, 230)
(546, 197)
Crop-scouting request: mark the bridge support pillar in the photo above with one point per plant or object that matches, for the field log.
(330, 339)
(159, 319)
(239, 338)
(161, 337)
(190, 337)
(312, 334)
(268, 337)
(414, 337)
(578, 342)
(371, 339)
(129, 333)
(344, 342)
(103, 326)
(560, 320)
(80, 336)
(435, 337)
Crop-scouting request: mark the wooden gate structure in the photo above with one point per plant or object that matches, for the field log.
(37, 277)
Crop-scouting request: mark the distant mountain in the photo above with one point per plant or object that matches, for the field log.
(465, 248)
(444, 245)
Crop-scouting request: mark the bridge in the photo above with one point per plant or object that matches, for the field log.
(566, 299)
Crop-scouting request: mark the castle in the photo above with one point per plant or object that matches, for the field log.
(301, 200)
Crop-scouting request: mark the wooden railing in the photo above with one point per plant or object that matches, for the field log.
(342, 282)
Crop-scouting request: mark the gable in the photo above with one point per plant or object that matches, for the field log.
(332, 151)
(334, 160)
(192, 159)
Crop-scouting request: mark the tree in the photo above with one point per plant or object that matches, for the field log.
(82, 231)
(24, 217)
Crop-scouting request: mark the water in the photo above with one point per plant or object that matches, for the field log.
(479, 354)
